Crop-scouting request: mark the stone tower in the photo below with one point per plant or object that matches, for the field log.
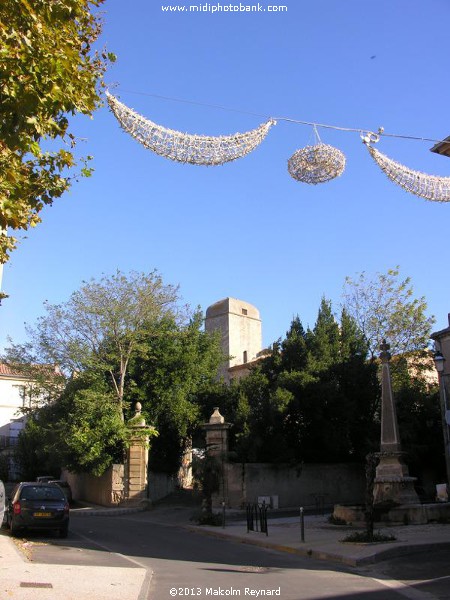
(239, 324)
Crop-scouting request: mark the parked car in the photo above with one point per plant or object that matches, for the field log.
(65, 488)
(45, 478)
(35, 505)
(2, 501)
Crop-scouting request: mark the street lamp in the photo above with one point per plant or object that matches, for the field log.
(439, 362)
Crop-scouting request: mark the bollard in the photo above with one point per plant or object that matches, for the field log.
(302, 524)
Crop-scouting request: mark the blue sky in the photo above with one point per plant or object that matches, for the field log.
(247, 229)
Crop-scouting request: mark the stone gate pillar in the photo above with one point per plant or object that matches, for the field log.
(217, 447)
(137, 459)
(217, 435)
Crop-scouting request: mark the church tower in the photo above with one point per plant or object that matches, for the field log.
(239, 324)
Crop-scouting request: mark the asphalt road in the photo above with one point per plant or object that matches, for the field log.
(189, 565)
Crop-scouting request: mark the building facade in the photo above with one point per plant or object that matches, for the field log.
(13, 398)
(240, 328)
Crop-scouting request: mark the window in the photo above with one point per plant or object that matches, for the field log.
(245, 356)
(244, 311)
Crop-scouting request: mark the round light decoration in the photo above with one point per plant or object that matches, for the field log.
(316, 164)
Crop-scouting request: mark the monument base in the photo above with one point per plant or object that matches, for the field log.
(410, 514)
(394, 491)
(392, 485)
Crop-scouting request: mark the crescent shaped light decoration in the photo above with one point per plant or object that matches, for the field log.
(316, 164)
(430, 187)
(185, 147)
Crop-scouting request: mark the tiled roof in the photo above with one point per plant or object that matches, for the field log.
(7, 370)
(10, 371)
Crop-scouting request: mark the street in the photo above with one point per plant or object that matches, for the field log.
(182, 563)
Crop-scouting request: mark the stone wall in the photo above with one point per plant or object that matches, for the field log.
(308, 485)
(107, 490)
(161, 485)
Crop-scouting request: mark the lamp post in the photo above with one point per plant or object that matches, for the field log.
(439, 362)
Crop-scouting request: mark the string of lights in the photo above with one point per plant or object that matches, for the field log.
(359, 130)
(313, 164)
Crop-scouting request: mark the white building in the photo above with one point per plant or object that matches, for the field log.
(13, 398)
(13, 395)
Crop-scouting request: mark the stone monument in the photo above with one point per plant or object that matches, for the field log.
(393, 486)
(394, 496)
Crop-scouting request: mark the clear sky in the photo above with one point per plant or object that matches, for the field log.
(247, 229)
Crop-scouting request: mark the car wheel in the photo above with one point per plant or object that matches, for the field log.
(14, 529)
(63, 532)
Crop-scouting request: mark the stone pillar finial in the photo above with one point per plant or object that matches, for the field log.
(216, 417)
(217, 434)
(385, 355)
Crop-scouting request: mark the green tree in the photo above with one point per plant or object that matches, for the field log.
(173, 380)
(124, 339)
(419, 415)
(101, 328)
(323, 340)
(294, 347)
(81, 431)
(48, 73)
(314, 398)
(384, 307)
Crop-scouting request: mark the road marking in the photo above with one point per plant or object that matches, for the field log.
(435, 579)
(405, 589)
(103, 547)
(145, 587)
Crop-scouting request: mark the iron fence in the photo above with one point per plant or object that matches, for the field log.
(257, 517)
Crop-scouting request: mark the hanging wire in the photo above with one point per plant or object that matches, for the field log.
(360, 130)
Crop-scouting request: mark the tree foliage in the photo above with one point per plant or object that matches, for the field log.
(82, 431)
(172, 380)
(101, 327)
(117, 341)
(48, 73)
(315, 398)
(384, 307)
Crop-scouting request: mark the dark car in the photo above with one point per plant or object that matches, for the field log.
(65, 488)
(45, 478)
(34, 505)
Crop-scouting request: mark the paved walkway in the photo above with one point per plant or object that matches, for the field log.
(22, 579)
(324, 541)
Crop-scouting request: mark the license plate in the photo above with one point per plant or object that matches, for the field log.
(42, 514)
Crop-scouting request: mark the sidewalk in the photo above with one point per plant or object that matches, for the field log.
(323, 540)
(22, 579)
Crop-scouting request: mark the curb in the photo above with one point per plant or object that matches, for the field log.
(404, 550)
(104, 512)
(377, 556)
